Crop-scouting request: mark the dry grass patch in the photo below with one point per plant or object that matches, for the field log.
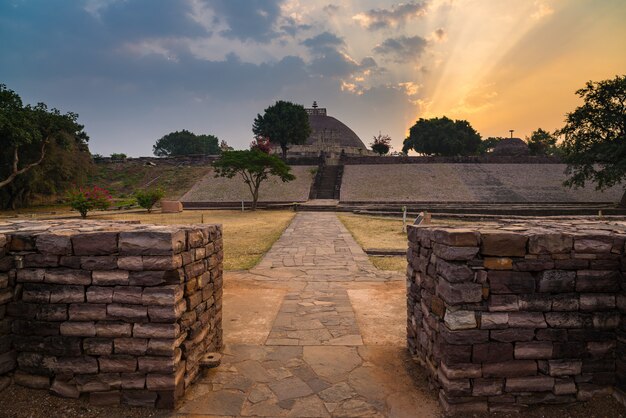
(375, 232)
(247, 235)
(393, 263)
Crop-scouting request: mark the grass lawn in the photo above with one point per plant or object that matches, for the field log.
(247, 235)
(393, 263)
(375, 232)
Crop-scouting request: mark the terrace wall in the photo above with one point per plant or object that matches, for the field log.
(509, 315)
(118, 312)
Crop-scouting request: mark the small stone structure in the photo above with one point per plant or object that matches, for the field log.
(171, 206)
(122, 312)
(506, 315)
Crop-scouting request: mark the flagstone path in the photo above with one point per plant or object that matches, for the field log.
(314, 330)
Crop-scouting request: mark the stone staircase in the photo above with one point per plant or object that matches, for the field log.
(328, 182)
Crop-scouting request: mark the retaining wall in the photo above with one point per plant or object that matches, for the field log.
(118, 312)
(509, 315)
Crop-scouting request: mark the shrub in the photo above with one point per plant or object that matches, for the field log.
(84, 199)
(118, 156)
(147, 198)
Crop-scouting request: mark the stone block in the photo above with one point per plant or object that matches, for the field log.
(510, 282)
(110, 277)
(456, 237)
(150, 330)
(78, 329)
(535, 302)
(87, 312)
(533, 265)
(109, 329)
(171, 206)
(129, 313)
(133, 346)
(487, 387)
(597, 281)
(76, 365)
(167, 313)
(597, 302)
(503, 244)
(169, 262)
(27, 327)
(31, 380)
(565, 302)
(67, 294)
(156, 278)
(131, 263)
(494, 320)
(64, 390)
(152, 242)
(550, 244)
(133, 380)
(557, 281)
(67, 276)
(98, 346)
(503, 303)
(454, 272)
(52, 313)
(30, 275)
(529, 384)
(8, 362)
(127, 294)
(103, 262)
(461, 371)
(571, 264)
(95, 243)
(492, 352)
(498, 263)
(162, 296)
(99, 294)
(512, 334)
(564, 319)
(117, 364)
(54, 244)
(511, 368)
(150, 364)
(527, 320)
(459, 293)
(457, 320)
(534, 350)
(41, 260)
(594, 245)
(446, 252)
(559, 368)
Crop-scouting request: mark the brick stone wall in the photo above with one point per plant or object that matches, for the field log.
(508, 315)
(121, 312)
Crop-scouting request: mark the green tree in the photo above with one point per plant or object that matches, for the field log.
(27, 132)
(186, 143)
(594, 145)
(149, 197)
(442, 136)
(542, 143)
(381, 144)
(488, 145)
(254, 167)
(118, 156)
(284, 123)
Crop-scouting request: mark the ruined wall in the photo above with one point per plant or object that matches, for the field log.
(119, 312)
(509, 315)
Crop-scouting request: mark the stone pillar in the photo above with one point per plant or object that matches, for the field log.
(504, 316)
(122, 312)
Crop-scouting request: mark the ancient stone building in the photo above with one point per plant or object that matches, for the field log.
(329, 135)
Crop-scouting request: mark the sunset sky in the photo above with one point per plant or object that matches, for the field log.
(135, 70)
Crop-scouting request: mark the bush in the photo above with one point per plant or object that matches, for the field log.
(147, 198)
(84, 199)
(118, 156)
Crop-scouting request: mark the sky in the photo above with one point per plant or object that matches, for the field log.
(135, 70)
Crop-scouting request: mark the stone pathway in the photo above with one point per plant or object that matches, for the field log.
(313, 331)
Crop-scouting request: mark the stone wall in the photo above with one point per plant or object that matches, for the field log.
(118, 312)
(509, 315)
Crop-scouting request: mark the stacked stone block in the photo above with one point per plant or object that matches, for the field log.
(121, 313)
(509, 315)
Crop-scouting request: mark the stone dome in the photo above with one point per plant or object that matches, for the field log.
(330, 131)
(511, 147)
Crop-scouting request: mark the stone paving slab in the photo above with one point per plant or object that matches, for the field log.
(295, 345)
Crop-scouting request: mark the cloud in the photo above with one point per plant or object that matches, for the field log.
(402, 48)
(440, 34)
(542, 10)
(292, 27)
(247, 20)
(324, 42)
(389, 18)
(331, 9)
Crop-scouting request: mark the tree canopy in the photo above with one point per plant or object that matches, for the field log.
(542, 143)
(186, 143)
(381, 144)
(488, 145)
(42, 151)
(254, 167)
(442, 136)
(284, 123)
(594, 145)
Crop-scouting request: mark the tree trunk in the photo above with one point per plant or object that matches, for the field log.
(622, 202)
(283, 147)
(255, 197)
